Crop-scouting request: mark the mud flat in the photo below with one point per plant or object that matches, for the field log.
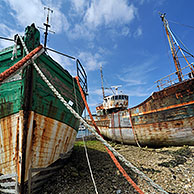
(170, 167)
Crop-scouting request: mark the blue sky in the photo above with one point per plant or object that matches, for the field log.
(126, 37)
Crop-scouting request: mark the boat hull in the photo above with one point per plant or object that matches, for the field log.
(165, 118)
(36, 128)
(47, 141)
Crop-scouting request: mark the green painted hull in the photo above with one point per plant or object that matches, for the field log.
(32, 93)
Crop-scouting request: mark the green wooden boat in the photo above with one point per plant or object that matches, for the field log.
(36, 129)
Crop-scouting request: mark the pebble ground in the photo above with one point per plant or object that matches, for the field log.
(170, 167)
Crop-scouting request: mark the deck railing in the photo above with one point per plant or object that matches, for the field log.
(82, 76)
(172, 78)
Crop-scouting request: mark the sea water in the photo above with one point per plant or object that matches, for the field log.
(83, 133)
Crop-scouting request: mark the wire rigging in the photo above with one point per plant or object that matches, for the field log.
(61, 53)
(3, 38)
(185, 48)
(180, 41)
(189, 26)
(167, 50)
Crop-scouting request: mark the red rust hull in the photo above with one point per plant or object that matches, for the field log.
(47, 140)
(165, 118)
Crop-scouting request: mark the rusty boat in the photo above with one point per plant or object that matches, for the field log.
(165, 118)
(36, 129)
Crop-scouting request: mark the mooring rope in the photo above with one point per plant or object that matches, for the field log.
(85, 148)
(108, 150)
(121, 158)
(23, 62)
(91, 173)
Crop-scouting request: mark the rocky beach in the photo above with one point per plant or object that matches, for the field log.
(170, 167)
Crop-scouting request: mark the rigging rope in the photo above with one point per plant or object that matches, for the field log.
(121, 158)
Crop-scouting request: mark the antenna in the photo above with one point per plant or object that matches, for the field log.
(47, 25)
(102, 81)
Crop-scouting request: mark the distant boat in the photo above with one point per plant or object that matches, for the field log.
(36, 129)
(165, 118)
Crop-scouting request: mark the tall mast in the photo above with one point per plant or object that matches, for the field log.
(172, 41)
(47, 25)
(102, 81)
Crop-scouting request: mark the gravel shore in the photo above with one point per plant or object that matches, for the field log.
(170, 167)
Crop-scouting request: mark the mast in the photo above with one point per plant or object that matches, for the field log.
(47, 25)
(172, 41)
(102, 81)
(116, 88)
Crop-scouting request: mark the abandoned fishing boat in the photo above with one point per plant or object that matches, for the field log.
(36, 128)
(165, 118)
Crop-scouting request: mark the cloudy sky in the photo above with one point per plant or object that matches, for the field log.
(126, 37)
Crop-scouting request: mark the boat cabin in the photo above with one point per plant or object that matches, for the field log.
(112, 103)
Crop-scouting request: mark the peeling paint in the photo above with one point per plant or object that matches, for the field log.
(165, 118)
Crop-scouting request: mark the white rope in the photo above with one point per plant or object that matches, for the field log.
(90, 166)
(91, 129)
(85, 148)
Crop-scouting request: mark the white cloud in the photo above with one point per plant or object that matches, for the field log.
(60, 22)
(79, 5)
(27, 12)
(91, 62)
(5, 30)
(8, 33)
(137, 92)
(138, 74)
(80, 31)
(138, 32)
(109, 12)
(125, 31)
(66, 63)
(97, 91)
(115, 46)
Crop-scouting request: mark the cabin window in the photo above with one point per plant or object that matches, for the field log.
(105, 99)
(120, 97)
(123, 97)
(112, 98)
(116, 97)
